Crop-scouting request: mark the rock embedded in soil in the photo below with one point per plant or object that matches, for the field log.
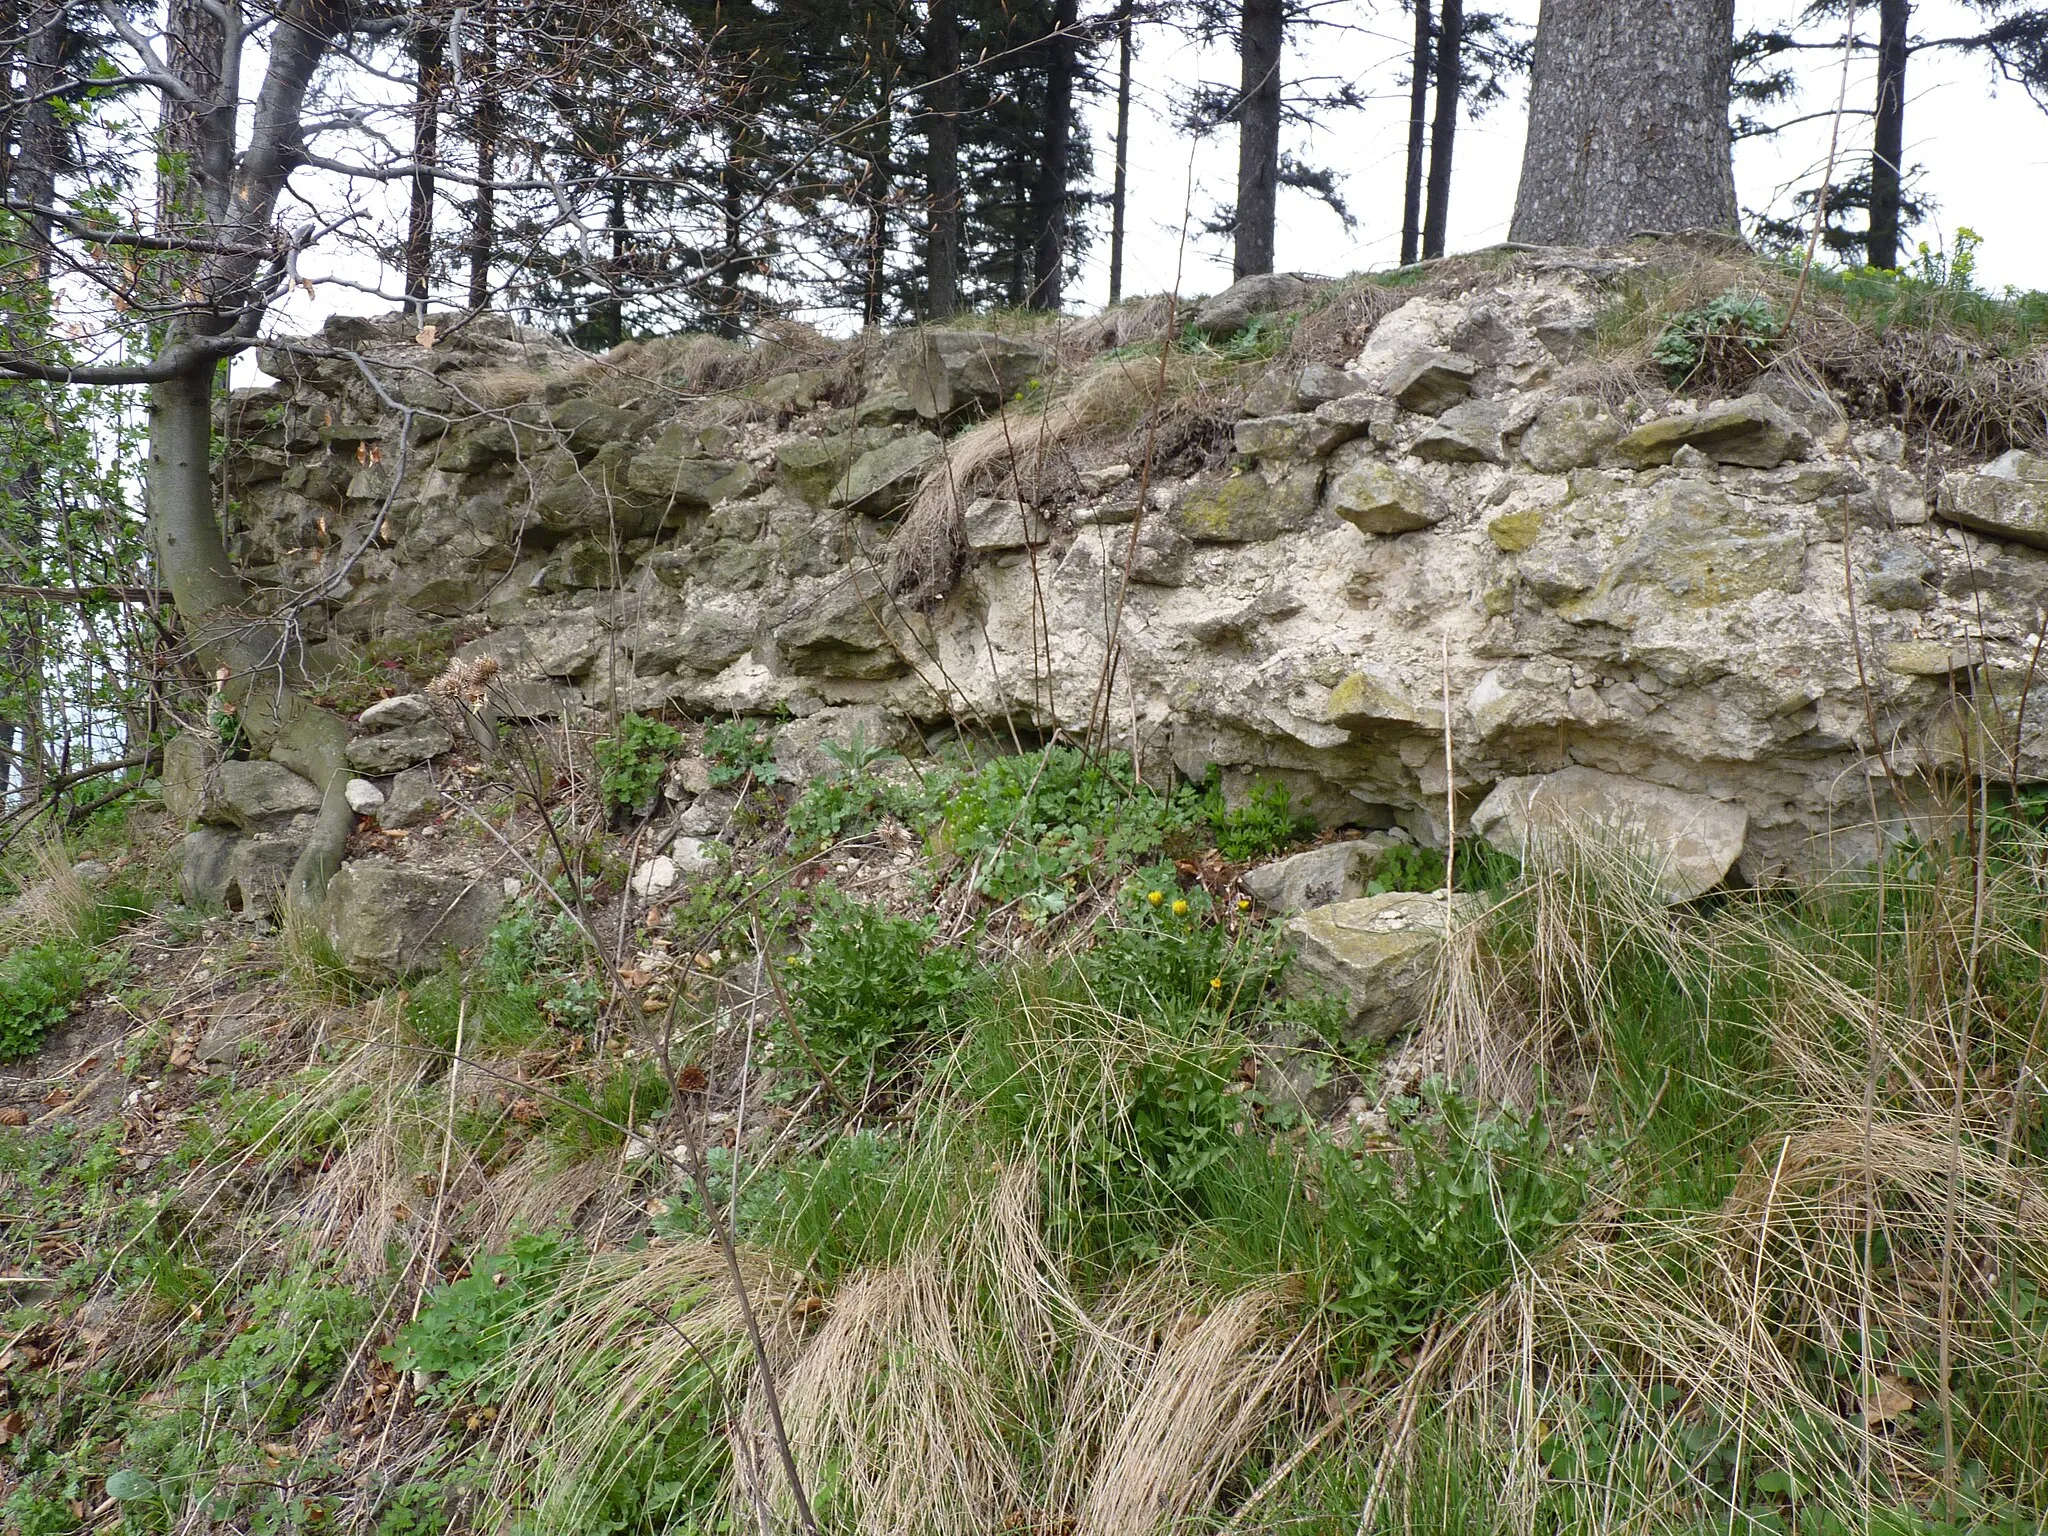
(389, 920)
(1378, 955)
(413, 799)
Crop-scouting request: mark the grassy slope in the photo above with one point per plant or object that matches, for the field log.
(1042, 1252)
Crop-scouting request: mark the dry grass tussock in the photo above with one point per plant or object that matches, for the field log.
(1952, 366)
(1013, 452)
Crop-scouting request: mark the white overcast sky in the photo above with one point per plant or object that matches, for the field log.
(1983, 144)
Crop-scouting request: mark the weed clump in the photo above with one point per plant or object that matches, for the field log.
(631, 763)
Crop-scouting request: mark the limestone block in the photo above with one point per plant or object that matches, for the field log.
(1319, 877)
(882, 480)
(1570, 433)
(1377, 498)
(2007, 498)
(1379, 955)
(401, 747)
(1752, 431)
(1680, 845)
(388, 920)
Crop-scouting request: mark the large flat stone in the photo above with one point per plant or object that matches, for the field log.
(1431, 381)
(2007, 499)
(947, 372)
(1249, 508)
(883, 479)
(256, 794)
(401, 747)
(1752, 431)
(1682, 845)
(1319, 877)
(1379, 955)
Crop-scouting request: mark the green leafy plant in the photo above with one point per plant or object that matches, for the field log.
(1726, 340)
(1032, 824)
(739, 749)
(467, 1326)
(38, 985)
(630, 764)
(849, 800)
(868, 986)
(1267, 822)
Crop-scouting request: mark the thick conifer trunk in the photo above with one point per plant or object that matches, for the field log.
(1261, 26)
(429, 59)
(483, 130)
(1628, 122)
(1049, 257)
(1418, 123)
(1120, 184)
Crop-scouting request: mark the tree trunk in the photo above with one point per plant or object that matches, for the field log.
(31, 180)
(1882, 248)
(874, 284)
(1120, 186)
(206, 193)
(1261, 25)
(483, 130)
(730, 321)
(1628, 122)
(1450, 84)
(942, 166)
(198, 132)
(612, 310)
(1049, 263)
(429, 48)
(1418, 122)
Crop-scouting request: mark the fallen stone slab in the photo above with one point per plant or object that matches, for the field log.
(1682, 845)
(1751, 431)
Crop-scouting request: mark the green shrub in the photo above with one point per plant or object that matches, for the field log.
(867, 987)
(630, 764)
(1727, 339)
(38, 985)
(739, 749)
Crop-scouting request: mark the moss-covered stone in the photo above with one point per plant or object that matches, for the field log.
(1377, 498)
(1513, 532)
(811, 466)
(1248, 508)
